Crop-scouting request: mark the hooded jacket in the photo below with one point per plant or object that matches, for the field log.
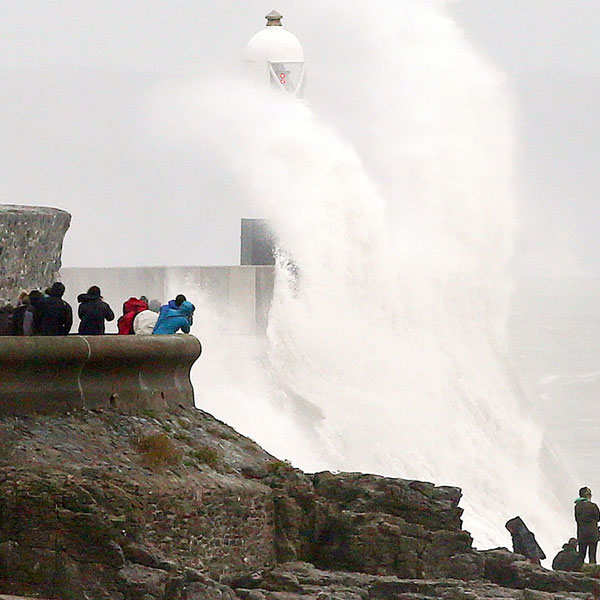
(93, 311)
(524, 541)
(171, 320)
(6, 321)
(567, 559)
(587, 516)
(131, 308)
(53, 316)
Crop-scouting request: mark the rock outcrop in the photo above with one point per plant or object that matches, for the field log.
(102, 505)
(31, 239)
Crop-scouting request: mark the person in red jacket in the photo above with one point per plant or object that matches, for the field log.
(131, 308)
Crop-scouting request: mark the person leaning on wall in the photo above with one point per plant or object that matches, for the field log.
(93, 312)
(53, 315)
(145, 321)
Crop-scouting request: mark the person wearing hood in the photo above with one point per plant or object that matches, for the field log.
(19, 313)
(145, 321)
(6, 319)
(587, 516)
(131, 308)
(53, 316)
(524, 541)
(29, 318)
(172, 320)
(93, 311)
(568, 558)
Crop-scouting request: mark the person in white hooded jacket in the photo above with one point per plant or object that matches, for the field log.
(144, 321)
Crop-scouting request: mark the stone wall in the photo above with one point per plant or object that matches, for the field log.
(31, 239)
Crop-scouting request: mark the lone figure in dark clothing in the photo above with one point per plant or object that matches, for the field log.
(587, 516)
(524, 541)
(53, 316)
(93, 311)
(568, 558)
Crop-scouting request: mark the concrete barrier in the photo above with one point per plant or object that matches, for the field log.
(129, 373)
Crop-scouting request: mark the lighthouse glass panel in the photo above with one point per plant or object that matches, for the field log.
(288, 76)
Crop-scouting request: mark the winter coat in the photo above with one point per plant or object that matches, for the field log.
(17, 319)
(29, 321)
(567, 559)
(587, 516)
(29, 318)
(523, 540)
(131, 308)
(6, 322)
(144, 322)
(53, 316)
(93, 311)
(172, 320)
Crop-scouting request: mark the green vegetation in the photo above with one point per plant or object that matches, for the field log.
(157, 450)
(207, 456)
(279, 467)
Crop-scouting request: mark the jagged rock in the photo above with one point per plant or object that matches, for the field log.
(513, 570)
(87, 519)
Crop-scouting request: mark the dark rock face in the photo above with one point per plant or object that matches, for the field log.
(87, 513)
(370, 524)
(31, 239)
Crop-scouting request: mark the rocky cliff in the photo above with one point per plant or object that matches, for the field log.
(31, 239)
(99, 505)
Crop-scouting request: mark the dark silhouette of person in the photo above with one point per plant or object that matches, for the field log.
(568, 558)
(524, 541)
(53, 316)
(587, 516)
(93, 312)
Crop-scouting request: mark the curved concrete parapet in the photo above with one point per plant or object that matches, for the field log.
(31, 239)
(129, 373)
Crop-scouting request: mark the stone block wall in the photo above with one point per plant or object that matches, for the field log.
(31, 239)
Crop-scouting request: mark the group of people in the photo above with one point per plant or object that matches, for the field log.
(574, 552)
(46, 313)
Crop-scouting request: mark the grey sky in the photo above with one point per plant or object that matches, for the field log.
(75, 76)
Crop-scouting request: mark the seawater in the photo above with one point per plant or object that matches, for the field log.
(387, 348)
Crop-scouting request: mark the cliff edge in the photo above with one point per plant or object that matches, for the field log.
(101, 505)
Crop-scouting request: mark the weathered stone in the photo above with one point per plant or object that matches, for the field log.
(31, 239)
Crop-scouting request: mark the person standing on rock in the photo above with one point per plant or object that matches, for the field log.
(524, 541)
(587, 516)
(93, 311)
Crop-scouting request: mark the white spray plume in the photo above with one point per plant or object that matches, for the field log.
(385, 352)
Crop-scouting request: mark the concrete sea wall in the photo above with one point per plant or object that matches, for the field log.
(31, 239)
(128, 373)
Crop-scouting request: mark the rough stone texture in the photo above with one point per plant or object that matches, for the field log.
(132, 373)
(31, 239)
(90, 511)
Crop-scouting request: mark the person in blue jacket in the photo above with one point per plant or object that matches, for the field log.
(173, 318)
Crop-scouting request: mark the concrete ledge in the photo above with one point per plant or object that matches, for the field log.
(129, 373)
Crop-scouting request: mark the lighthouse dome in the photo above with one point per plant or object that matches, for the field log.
(274, 43)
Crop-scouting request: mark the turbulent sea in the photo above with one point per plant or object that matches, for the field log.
(554, 337)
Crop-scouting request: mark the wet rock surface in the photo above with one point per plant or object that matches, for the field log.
(99, 505)
(31, 239)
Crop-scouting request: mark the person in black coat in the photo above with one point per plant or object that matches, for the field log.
(568, 558)
(93, 311)
(53, 316)
(524, 541)
(587, 516)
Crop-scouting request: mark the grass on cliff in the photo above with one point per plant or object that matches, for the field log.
(207, 456)
(157, 450)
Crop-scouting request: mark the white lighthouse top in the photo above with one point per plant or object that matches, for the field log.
(274, 44)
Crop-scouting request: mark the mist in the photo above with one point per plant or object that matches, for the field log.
(77, 79)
